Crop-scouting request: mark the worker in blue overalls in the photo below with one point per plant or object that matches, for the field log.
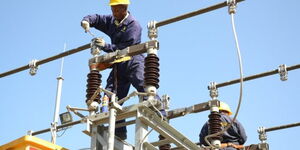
(123, 31)
(234, 137)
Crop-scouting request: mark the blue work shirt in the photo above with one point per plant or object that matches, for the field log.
(235, 134)
(126, 34)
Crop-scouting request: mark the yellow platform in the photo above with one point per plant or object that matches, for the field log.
(30, 143)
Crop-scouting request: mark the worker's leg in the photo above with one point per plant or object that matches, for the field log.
(135, 72)
(122, 90)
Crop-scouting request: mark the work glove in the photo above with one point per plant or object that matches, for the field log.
(85, 25)
(99, 42)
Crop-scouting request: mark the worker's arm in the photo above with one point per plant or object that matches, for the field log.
(242, 133)
(203, 133)
(100, 22)
(131, 34)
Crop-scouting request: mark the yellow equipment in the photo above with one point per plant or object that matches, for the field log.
(225, 107)
(103, 66)
(30, 143)
(119, 2)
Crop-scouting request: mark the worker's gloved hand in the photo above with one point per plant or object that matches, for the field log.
(100, 42)
(85, 25)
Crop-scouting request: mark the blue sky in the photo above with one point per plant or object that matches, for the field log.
(193, 53)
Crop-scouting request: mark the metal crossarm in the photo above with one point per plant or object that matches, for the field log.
(129, 51)
(127, 112)
(162, 127)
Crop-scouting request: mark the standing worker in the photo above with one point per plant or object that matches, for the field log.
(123, 31)
(234, 137)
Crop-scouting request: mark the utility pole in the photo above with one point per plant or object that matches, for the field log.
(57, 102)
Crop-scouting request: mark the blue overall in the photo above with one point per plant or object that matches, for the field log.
(130, 72)
(235, 134)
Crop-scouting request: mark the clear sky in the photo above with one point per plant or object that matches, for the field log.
(192, 53)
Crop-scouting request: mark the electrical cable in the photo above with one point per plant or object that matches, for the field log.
(241, 84)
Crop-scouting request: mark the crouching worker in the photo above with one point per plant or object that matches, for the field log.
(233, 138)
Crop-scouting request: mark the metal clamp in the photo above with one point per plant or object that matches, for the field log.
(33, 67)
(152, 30)
(213, 91)
(231, 6)
(95, 51)
(283, 72)
(29, 132)
(166, 101)
(116, 106)
(262, 134)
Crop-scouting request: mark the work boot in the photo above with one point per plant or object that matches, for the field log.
(165, 146)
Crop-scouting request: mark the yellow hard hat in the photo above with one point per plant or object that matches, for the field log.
(225, 107)
(119, 2)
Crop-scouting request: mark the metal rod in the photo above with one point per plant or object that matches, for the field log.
(112, 124)
(57, 100)
(175, 113)
(256, 76)
(282, 127)
(56, 109)
(58, 127)
(192, 14)
(70, 52)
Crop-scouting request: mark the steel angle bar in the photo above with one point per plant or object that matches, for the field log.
(188, 110)
(127, 112)
(160, 142)
(149, 146)
(192, 14)
(43, 61)
(162, 127)
(129, 51)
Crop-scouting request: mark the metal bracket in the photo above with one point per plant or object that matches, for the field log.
(213, 91)
(263, 146)
(95, 50)
(231, 6)
(88, 127)
(29, 132)
(262, 134)
(33, 67)
(214, 105)
(283, 72)
(152, 30)
(165, 101)
(116, 106)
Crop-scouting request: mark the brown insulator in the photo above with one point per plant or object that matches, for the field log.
(93, 82)
(151, 70)
(165, 146)
(215, 125)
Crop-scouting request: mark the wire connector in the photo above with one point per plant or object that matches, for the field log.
(262, 134)
(33, 67)
(231, 6)
(283, 72)
(152, 30)
(95, 51)
(213, 91)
